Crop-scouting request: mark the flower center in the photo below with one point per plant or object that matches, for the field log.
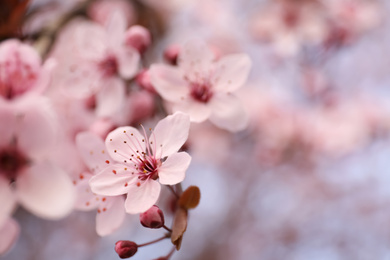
(290, 17)
(11, 162)
(201, 92)
(109, 66)
(148, 168)
(16, 78)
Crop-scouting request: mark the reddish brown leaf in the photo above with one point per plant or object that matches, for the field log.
(190, 198)
(179, 227)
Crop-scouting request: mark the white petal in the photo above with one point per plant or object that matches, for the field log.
(110, 215)
(46, 191)
(110, 99)
(124, 142)
(36, 129)
(7, 200)
(231, 72)
(9, 233)
(173, 170)
(92, 150)
(128, 61)
(141, 198)
(228, 112)
(168, 81)
(112, 181)
(170, 134)
(197, 111)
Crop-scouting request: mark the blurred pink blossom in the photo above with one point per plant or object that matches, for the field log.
(202, 87)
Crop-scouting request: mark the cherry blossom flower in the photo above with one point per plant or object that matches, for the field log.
(289, 25)
(96, 63)
(30, 178)
(350, 18)
(110, 210)
(139, 161)
(202, 87)
(21, 71)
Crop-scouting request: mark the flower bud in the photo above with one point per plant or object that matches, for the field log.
(125, 248)
(143, 80)
(152, 218)
(171, 54)
(138, 37)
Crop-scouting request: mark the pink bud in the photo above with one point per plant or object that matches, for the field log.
(152, 218)
(138, 37)
(102, 127)
(143, 79)
(125, 248)
(171, 53)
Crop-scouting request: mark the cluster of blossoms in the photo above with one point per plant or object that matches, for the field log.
(73, 135)
(114, 107)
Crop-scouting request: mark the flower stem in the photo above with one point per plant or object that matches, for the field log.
(169, 255)
(167, 229)
(155, 241)
(173, 191)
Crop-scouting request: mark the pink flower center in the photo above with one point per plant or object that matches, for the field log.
(290, 17)
(148, 168)
(16, 77)
(109, 66)
(11, 162)
(201, 92)
(145, 161)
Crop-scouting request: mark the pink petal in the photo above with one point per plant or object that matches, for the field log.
(170, 134)
(85, 199)
(112, 181)
(124, 142)
(141, 198)
(9, 233)
(110, 215)
(168, 81)
(92, 150)
(91, 40)
(6, 130)
(36, 129)
(228, 112)
(46, 191)
(195, 57)
(45, 76)
(128, 61)
(231, 72)
(173, 170)
(79, 80)
(197, 111)
(7, 200)
(110, 99)
(115, 28)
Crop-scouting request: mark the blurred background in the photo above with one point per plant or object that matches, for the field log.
(307, 179)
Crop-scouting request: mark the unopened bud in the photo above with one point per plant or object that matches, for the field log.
(152, 218)
(143, 80)
(138, 37)
(125, 248)
(171, 54)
